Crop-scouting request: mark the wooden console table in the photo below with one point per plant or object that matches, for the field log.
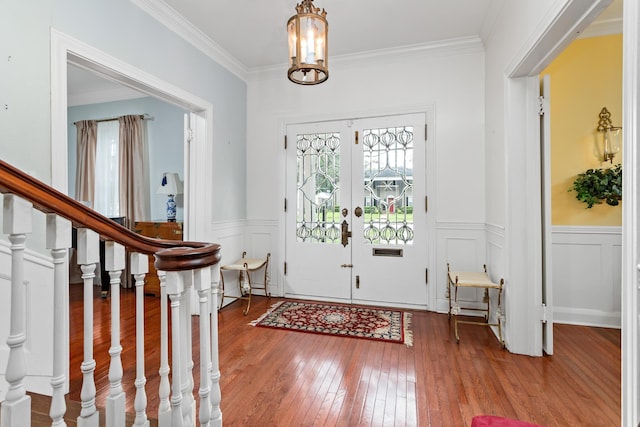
(158, 230)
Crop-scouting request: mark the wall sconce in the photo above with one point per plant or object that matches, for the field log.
(170, 185)
(610, 135)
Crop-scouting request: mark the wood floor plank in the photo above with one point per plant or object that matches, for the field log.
(285, 378)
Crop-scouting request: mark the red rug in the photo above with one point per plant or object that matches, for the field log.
(339, 320)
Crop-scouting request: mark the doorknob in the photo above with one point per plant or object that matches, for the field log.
(358, 211)
(345, 233)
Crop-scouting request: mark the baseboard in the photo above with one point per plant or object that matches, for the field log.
(587, 317)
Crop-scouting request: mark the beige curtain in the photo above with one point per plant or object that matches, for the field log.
(134, 204)
(87, 139)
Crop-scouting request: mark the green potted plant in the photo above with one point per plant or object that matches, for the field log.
(596, 185)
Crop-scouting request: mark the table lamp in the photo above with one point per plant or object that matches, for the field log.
(170, 185)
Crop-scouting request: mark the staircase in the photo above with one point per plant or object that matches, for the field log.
(41, 404)
(183, 268)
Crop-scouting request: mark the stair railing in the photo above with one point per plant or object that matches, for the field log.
(182, 266)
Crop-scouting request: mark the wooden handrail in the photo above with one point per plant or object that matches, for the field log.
(170, 255)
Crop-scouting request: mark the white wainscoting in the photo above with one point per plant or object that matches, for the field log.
(586, 263)
(463, 246)
(257, 238)
(38, 282)
(261, 237)
(230, 236)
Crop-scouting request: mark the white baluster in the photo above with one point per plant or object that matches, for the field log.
(202, 284)
(114, 264)
(16, 409)
(140, 267)
(59, 242)
(164, 408)
(216, 395)
(88, 256)
(175, 289)
(188, 402)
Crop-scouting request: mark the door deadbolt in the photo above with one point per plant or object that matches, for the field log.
(358, 211)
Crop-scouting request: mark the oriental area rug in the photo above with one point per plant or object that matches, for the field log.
(346, 321)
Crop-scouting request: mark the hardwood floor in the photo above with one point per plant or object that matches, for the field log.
(282, 378)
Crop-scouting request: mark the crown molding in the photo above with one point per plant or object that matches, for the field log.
(168, 17)
(457, 46)
(602, 28)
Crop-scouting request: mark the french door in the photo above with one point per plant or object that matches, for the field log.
(355, 218)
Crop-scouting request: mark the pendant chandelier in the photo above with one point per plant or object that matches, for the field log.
(308, 45)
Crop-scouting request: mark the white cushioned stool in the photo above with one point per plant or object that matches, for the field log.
(244, 266)
(474, 279)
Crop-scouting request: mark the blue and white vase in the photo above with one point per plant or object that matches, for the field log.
(171, 209)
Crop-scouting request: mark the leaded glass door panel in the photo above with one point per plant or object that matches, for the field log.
(356, 225)
(389, 237)
(318, 187)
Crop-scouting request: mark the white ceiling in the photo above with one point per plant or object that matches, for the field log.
(254, 31)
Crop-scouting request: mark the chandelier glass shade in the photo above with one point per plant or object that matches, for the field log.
(307, 31)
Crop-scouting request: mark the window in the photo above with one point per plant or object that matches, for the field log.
(107, 198)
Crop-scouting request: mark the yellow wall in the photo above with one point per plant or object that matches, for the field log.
(584, 78)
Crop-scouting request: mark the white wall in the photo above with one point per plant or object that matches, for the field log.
(448, 78)
(140, 41)
(510, 33)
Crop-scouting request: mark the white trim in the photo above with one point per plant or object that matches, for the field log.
(630, 212)
(65, 48)
(563, 24)
(175, 22)
(586, 317)
(457, 46)
(602, 28)
(575, 229)
(228, 224)
(446, 225)
(498, 230)
(29, 255)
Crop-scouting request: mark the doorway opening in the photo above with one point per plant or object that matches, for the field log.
(197, 155)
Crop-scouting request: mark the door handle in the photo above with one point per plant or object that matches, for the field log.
(345, 233)
(358, 211)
